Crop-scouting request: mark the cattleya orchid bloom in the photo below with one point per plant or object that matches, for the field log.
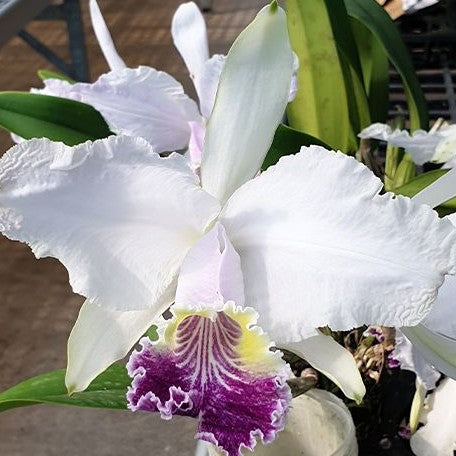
(437, 145)
(317, 243)
(151, 104)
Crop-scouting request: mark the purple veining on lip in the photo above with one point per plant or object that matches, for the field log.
(204, 377)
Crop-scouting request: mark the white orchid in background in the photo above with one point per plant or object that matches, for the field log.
(151, 104)
(312, 243)
(437, 145)
(438, 435)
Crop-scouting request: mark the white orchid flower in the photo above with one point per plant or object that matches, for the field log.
(438, 435)
(144, 102)
(318, 244)
(437, 146)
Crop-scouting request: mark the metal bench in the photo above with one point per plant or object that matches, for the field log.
(15, 14)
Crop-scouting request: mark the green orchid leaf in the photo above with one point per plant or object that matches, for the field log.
(321, 106)
(351, 67)
(359, 105)
(375, 18)
(422, 181)
(106, 391)
(405, 171)
(288, 141)
(375, 66)
(394, 156)
(152, 333)
(419, 182)
(48, 74)
(35, 116)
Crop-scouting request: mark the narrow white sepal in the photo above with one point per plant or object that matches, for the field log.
(104, 38)
(251, 99)
(100, 337)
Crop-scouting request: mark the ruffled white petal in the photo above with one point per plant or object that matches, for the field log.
(211, 274)
(188, 29)
(319, 246)
(438, 435)
(207, 81)
(437, 349)
(435, 145)
(410, 359)
(333, 360)
(251, 99)
(99, 338)
(104, 38)
(119, 217)
(137, 102)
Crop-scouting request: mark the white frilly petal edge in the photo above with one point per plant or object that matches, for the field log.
(188, 30)
(332, 360)
(438, 350)
(251, 98)
(410, 359)
(438, 435)
(320, 246)
(99, 338)
(118, 216)
(104, 38)
(139, 102)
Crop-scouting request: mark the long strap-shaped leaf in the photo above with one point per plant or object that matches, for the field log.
(375, 66)
(106, 391)
(374, 17)
(59, 119)
(321, 107)
(288, 141)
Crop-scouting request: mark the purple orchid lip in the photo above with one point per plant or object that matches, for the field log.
(207, 372)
